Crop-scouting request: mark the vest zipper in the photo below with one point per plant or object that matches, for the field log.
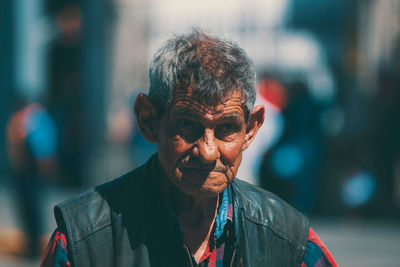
(233, 257)
(189, 255)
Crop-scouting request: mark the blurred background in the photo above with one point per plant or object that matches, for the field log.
(328, 73)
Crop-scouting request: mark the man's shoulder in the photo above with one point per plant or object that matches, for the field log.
(92, 210)
(127, 182)
(265, 208)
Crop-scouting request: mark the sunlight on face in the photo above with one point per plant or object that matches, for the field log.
(200, 146)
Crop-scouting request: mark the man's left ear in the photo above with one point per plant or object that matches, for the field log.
(255, 121)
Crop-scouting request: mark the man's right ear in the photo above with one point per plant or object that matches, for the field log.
(146, 116)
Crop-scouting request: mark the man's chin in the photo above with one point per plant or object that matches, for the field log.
(200, 186)
(206, 191)
(203, 193)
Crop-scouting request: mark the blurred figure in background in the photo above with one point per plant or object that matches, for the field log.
(31, 146)
(65, 88)
(290, 167)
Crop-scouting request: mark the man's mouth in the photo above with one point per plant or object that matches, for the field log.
(204, 168)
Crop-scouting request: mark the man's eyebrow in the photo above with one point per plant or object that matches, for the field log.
(183, 111)
(232, 116)
(186, 112)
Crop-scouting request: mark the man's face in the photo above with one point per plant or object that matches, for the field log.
(200, 146)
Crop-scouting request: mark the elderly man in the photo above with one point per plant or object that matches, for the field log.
(184, 207)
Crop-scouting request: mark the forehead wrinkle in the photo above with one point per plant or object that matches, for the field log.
(233, 110)
(190, 104)
(185, 104)
(181, 110)
(230, 113)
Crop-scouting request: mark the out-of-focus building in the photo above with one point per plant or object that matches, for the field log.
(86, 61)
(378, 32)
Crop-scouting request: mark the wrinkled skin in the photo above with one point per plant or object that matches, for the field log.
(200, 146)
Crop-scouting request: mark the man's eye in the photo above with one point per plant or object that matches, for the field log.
(225, 130)
(187, 125)
(189, 130)
(228, 127)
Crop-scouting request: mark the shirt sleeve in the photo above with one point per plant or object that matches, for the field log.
(317, 254)
(56, 253)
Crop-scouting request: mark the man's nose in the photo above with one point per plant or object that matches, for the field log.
(207, 147)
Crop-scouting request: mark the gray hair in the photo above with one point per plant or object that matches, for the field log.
(212, 66)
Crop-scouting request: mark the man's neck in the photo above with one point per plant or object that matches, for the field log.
(183, 203)
(196, 216)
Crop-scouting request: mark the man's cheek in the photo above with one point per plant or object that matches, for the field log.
(179, 147)
(232, 151)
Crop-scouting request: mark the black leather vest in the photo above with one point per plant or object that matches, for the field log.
(123, 223)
